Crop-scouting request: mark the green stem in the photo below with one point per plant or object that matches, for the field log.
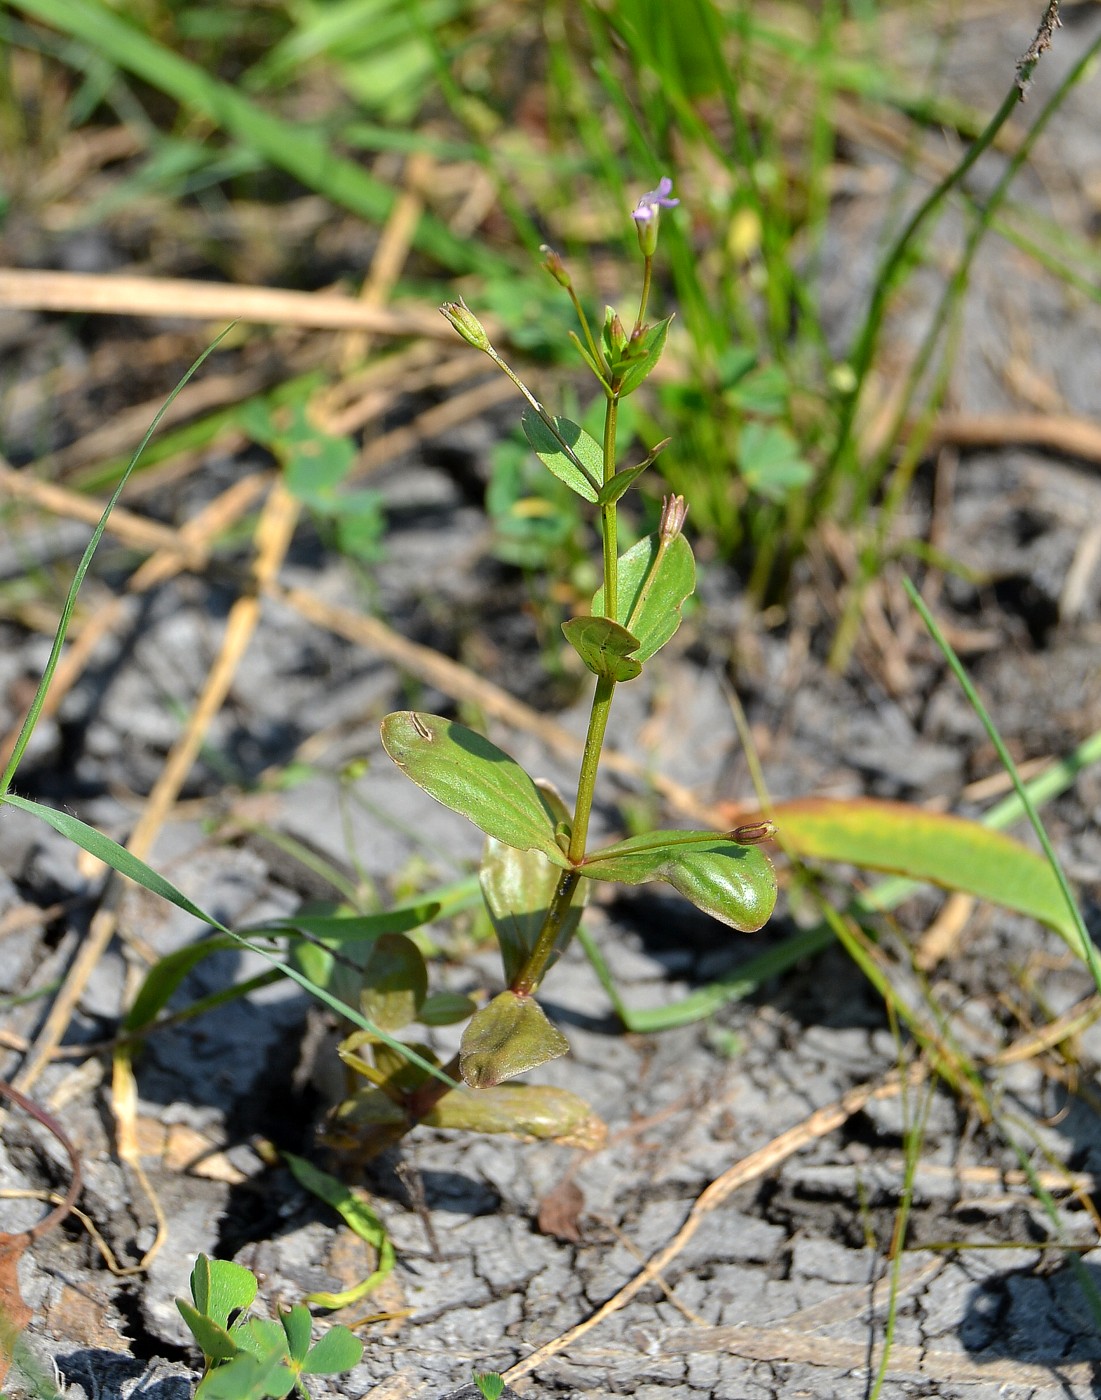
(609, 519)
(532, 972)
(586, 330)
(647, 270)
(590, 760)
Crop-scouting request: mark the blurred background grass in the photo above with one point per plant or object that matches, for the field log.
(234, 142)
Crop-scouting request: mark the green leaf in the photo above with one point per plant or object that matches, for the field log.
(654, 580)
(215, 1342)
(524, 1110)
(297, 1326)
(314, 462)
(120, 859)
(620, 484)
(568, 452)
(506, 1038)
(604, 646)
(247, 1377)
(342, 929)
(490, 1384)
(262, 1337)
(770, 461)
(265, 1343)
(623, 480)
(200, 1283)
(446, 1008)
(360, 1219)
(470, 775)
(930, 846)
(735, 884)
(351, 934)
(395, 982)
(338, 1350)
(649, 353)
(165, 976)
(232, 1290)
(518, 887)
(764, 391)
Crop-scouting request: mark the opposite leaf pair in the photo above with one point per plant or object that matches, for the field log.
(248, 1358)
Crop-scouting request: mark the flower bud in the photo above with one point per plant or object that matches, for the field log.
(466, 323)
(552, 262)
(647, 214)
(615, 335)
(674, 512)
(754, 834)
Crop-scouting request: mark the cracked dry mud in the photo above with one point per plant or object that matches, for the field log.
(784, 1287)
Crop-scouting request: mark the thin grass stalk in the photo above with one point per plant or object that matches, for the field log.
(867, 342)
(948, 312)
(39, 699)
(1088, 951)
(914, 1138)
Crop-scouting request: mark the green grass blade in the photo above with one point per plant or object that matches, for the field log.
(125, 863)
(78, 578)
(360, 1219)
(1023, 795)
(302, 153)
(740, 982)
(934, 847)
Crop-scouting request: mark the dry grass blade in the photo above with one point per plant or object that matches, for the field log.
(194, 544)
(1063, 433)
(134, 530)
(393, 249)
(273, 534)
(822, 1121)
(210, 301)
(919, 1364)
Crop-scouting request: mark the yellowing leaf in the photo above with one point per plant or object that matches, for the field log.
(930, 846)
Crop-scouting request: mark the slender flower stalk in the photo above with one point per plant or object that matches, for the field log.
(553, 263)
(647, 217)
(616, 343)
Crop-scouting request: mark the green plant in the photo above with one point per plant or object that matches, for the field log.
(248, 1358)
(489, 1383)
(315, 467)
(537, 867)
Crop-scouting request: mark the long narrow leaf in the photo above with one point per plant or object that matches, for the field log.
(122, 860)
(360, 1219)
(82, 568)
(1078, 938)
(930, 846)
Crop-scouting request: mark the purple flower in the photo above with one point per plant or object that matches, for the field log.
(645, 211)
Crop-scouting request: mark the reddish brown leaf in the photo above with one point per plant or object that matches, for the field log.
(14, 1313)
(560, 1211)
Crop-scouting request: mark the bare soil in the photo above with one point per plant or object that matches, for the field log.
(781, 1283)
